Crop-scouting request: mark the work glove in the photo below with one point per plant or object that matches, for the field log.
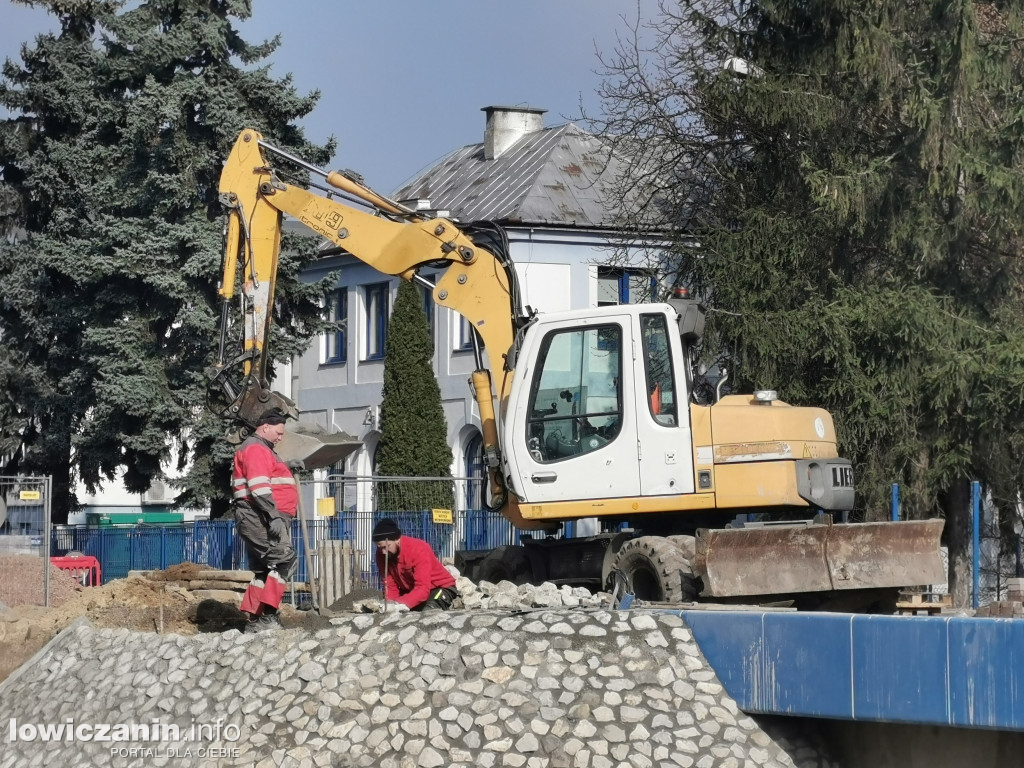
(394, 607)
(296, 465)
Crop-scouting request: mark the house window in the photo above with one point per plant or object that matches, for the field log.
(336, 480)
(475, 473)
(376, 301)
(464, 335)
(617, 285)
(335, 343)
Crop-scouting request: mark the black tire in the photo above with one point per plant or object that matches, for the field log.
(506, 564)
(656, 570)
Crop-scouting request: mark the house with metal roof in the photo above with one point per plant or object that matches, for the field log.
(547, 187)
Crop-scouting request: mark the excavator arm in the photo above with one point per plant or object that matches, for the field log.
(476, 283)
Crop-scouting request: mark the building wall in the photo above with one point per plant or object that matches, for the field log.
(557, 271)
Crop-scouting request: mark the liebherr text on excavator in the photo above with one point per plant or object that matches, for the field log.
(589, 413)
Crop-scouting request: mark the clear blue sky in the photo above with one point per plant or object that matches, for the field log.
(402, 82)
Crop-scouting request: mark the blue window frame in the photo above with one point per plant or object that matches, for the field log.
(475, 472)
(336, 343)
(464, 339)
(618, 285)
(377, 299)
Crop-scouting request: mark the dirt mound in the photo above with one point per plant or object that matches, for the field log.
(348, 602)
(179, 572)
(154, 602)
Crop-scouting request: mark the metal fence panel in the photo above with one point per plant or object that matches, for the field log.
(24, 529)
(358, 504)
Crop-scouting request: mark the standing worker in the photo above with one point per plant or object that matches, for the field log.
(414, 578)
(266, 498)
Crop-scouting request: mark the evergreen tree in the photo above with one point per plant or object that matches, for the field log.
(853, 174)
(110, 165)
(414, 441)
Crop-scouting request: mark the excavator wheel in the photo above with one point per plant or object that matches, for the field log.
(688, 546)
(657, 570)
(506, 564)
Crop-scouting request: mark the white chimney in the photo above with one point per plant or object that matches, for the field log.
(507, 125)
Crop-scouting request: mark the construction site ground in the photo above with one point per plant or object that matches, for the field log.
(158, 602)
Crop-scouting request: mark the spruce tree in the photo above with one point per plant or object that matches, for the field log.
(414, 441)
(853, 175)
(110, 164)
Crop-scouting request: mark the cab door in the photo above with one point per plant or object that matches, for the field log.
(662, 408)
(573, 426)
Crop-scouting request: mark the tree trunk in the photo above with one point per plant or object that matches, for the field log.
(63, 494)
(955, 502)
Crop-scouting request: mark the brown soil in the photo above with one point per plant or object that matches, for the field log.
(157, 603)
(179, 572)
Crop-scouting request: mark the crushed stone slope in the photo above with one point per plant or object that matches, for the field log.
(574, 687)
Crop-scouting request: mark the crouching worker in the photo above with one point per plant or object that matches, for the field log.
(266, 498)
(414, 578)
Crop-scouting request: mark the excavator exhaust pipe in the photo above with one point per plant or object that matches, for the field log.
(784, 559)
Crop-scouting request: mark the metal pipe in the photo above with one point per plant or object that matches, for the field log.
(342, 182)
(721, 381)
(47, 536)
(384, 580)
(1018, 572)
(310, 579)
(976, 537)
(478, 357)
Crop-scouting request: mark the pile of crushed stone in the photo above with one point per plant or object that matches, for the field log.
(526, 689)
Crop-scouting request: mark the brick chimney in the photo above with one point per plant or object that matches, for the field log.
(506, 125)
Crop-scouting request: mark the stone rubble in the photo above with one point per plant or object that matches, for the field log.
(566, 688)
(508, 596)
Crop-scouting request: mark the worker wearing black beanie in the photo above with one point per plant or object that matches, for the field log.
(413, 577)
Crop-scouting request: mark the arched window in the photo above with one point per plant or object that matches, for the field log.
(474, 459)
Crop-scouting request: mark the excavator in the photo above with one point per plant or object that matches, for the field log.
(591, 413)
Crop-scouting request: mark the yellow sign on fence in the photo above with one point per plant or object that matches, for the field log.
(34, 496)
(442, 516)
(325, 507)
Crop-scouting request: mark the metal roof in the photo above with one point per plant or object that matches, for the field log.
(554, 176)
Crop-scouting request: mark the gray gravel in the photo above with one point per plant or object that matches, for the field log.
(567, 688)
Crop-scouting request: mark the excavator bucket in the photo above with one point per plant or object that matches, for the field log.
(772, 560)
(314, 446)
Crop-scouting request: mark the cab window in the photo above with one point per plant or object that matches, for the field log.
(575, 402)
(661, 392)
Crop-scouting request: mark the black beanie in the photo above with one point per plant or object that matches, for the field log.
(386, 530)
(271, 417)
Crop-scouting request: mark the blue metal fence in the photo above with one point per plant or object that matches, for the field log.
(214, 543)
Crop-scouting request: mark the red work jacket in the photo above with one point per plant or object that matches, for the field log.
(262, 479)
(413, 572)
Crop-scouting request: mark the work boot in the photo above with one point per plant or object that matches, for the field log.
(270, 620)
(252, 626)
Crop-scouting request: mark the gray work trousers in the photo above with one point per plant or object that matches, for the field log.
(268, 551)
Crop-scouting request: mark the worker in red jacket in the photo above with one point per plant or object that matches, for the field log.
(266, 498)
(414, 578)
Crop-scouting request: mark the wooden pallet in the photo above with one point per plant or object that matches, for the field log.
(926, 603)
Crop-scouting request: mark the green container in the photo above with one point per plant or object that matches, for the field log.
(134, 518)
